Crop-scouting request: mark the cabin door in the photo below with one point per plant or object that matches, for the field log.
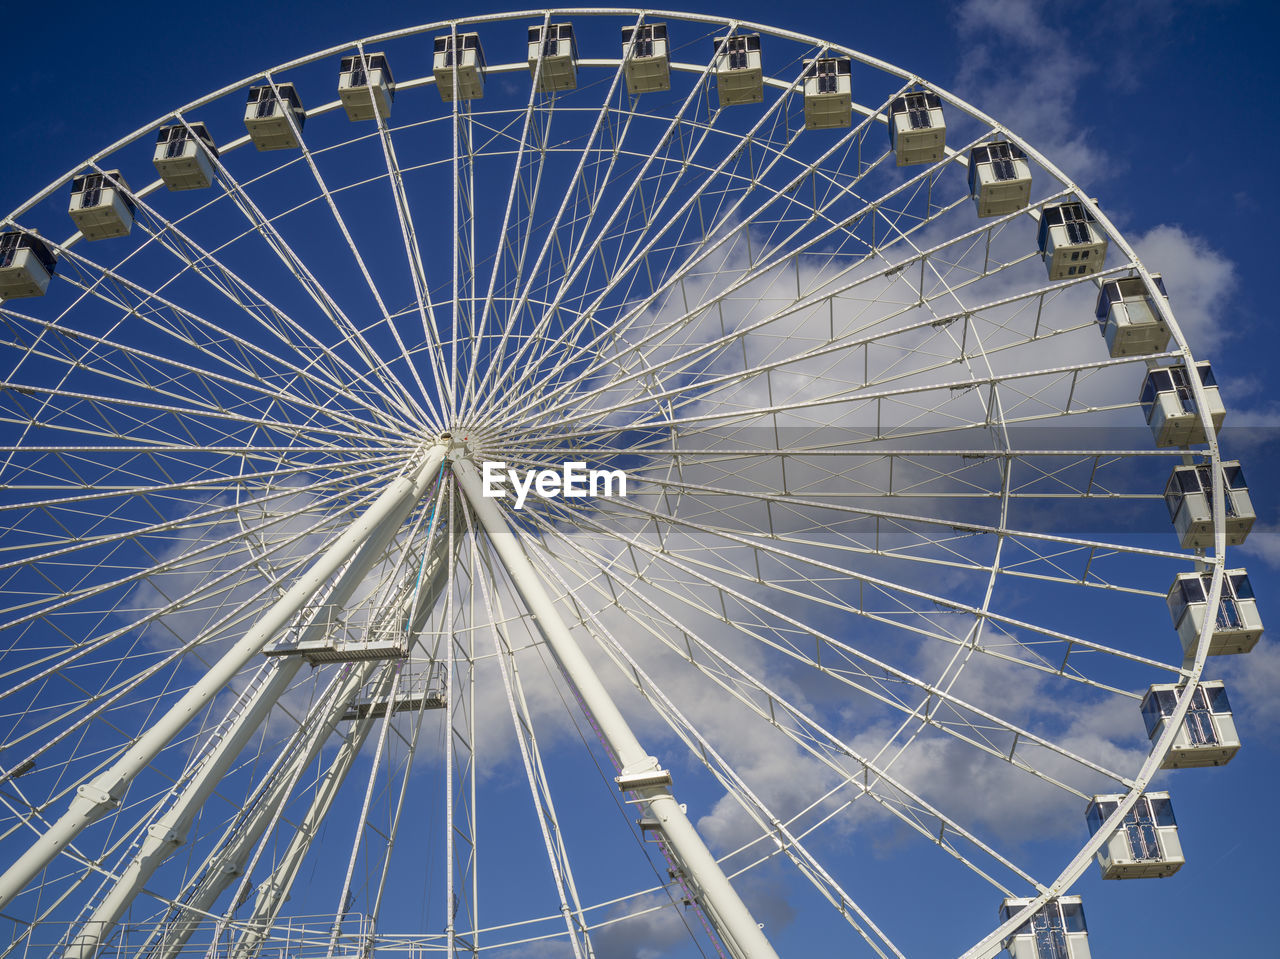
(1200, 720)
(1140, 827)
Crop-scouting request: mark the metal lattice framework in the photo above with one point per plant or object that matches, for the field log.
(893, 550)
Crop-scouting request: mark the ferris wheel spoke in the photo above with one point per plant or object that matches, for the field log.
(412, 249)
(151, 307)
(835, 344)
(535, 773)
(770, 825)
(769, 545)
(148, 413)
(253, 304)
(829, 750)
(218, 483)
(69, 598)
(533, 126)
(581, 259)
(968, 722)
(208, 517)
(198, 386)
(256, 817)
(713, 239)
(263, 226)
(829, 296)
(859, 396)
(577, 186)
(433, 351)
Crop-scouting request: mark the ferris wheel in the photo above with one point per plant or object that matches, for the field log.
(623, 483)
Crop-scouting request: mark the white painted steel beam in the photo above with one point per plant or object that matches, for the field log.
(229, 861)
(96, 798)
(726, 910)
(274, 890)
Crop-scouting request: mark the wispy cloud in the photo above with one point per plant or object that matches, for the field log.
(1026, 73)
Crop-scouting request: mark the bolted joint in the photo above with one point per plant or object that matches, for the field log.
(163, 833)
(100, 799)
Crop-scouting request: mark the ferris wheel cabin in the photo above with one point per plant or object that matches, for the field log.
(1207, 736)
(917, 131)
(999, 178)
(1070, 242)
(559, 52)
(27, 264)
(1237, 624)
(1170, 406)
(738, 69)
(828, 93)
(183, 156)
(100, 205)
(268, 116)
(1132, 321)
(1057, 931)
(1188, 494)
(648, 69)
(460, 53)
(1146, 845)
(366, 86)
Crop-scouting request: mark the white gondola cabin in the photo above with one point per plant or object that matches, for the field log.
(366, 86)
(1070, 242)
(648, 68)
(267, 117)
(1132, 321)
(1237, 626)
(1188, 496)
(101, 207)
(27, 264)
(999, 178)
(1207, 736)
(738, 68)
(1057, 931)
(559, 52)
(828, 93)
(184, 157)
(917, 130)
(1170, 406)
(461, 53)
(1146, 845)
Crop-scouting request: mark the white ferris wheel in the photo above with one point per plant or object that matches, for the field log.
(628, 483)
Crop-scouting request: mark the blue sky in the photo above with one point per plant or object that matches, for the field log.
(1157, 109)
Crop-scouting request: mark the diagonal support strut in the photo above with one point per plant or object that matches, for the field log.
(640, 772)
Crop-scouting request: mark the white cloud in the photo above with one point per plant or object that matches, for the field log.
(1199, 279)
(1251, 684)
(1025, 73)
(1263, 543)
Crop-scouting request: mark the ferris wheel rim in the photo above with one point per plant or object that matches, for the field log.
(1077, 866)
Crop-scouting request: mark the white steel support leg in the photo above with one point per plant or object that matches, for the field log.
(169, 832)
(274, 890)
(229, 861)
(720, 901)
(95, 799)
